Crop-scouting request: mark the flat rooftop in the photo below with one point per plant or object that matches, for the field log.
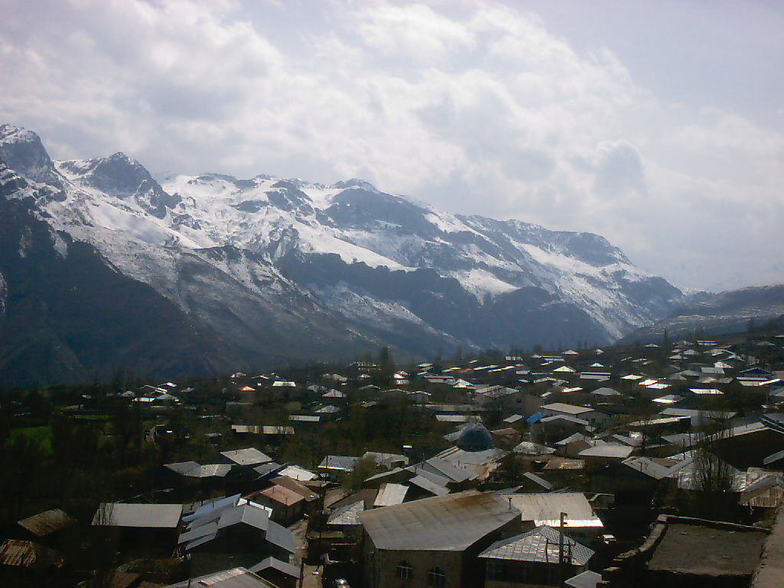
(705, 550)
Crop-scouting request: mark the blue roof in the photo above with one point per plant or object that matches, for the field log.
(535, 418)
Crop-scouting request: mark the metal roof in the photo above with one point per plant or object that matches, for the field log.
(542, 545)
(348, 514)
(270, 468)
(249, 456)
(586, 579)
(390, 494)
(276, 564)
(296, 472)
(233, 578)
(295, 486)
(647, 466)
(566, 408)
(427, 484)
(47, 522)
(444, 523)
(153, 516)
(564, 417)
(546, 508)
(343, 463)
(213, 470)
(282, 495)
(531, 448)
(181, 467)
(564, 463)
(27, 554)
(608, 450)
(606, 392)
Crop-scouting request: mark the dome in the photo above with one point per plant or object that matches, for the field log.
(475, 438)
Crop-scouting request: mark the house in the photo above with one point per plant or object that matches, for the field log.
(287, 506)
(433, 541)
(335, 467)
(278, 573)
(541, 557)
(150, 528)
(233, 529)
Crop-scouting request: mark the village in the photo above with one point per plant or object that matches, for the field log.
(658, 464)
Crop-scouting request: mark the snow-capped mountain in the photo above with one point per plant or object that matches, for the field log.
(286, 270)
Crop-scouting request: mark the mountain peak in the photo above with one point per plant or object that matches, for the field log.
(356, 183)
(23, 151)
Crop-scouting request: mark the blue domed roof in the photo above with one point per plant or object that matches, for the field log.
(475, 438)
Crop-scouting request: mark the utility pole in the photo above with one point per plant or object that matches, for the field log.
(561, 554)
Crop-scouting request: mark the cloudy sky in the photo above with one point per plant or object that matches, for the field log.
(657, 124)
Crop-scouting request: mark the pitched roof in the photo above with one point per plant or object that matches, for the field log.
(566, 408)
(347, 514)
(233, 578)
(541, 545)
(443, 523)
(282, 495)
(608, 450)
(153, 516)
(546, 508)
(47, 522)
(27, 554)
(586, 579)
(390, 494)
(248, 456)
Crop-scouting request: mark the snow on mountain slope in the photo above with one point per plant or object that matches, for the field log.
(373, 266)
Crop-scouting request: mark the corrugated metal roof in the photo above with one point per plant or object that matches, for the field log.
(276, 564)
(282, 495)
(546, 508)
(249, 456)
(564, 463)
(538, 480)
(428, 484)
(347, 515)
(542, 545)
(531, 448)
(452, 522)
(233, 578)
(27, 554)
(182, 467)
(608, 450)
(213, 470)
(647, 466)
(343, 463)
(47, 522)
(153, 516)
(390, 494)
(298, 473)
(587, 579)
(295, 486)
(564, 408)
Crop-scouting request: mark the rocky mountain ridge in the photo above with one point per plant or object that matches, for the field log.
(282, 270)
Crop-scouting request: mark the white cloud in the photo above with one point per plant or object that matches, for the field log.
(477, 108)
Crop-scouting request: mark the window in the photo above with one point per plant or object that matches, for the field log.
(436, 577)
(404, 570)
